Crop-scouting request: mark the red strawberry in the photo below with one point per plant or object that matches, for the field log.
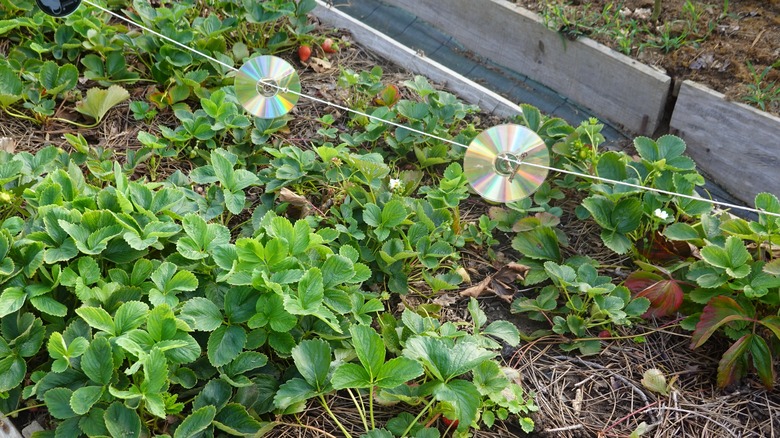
(329, 47)
(451, 424)
(304, 52)
(605, 334)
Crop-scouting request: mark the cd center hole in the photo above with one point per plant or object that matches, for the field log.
(268, 87)
(506, 163)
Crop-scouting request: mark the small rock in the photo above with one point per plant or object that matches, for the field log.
(643, 13)
(31, 429)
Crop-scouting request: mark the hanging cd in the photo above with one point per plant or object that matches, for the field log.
(267, 86)
(494, 163)
(58, 8)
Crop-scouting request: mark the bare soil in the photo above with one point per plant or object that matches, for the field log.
(718, 40)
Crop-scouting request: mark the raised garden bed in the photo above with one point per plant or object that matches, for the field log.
(617, 88)
(736, 144)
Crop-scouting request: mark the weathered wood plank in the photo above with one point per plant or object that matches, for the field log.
(736, 145)
(613, 86)
(417, 63)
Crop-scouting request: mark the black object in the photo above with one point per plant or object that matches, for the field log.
(58, 8)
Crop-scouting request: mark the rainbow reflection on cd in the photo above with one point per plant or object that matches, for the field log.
(494, 163)
(263, 100)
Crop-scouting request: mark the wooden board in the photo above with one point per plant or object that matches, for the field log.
(613, 86)
(407, 58)
(736, 145)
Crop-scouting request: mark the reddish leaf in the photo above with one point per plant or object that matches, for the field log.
(641, 280)
(732, 365)
(662, 250)
(762, 361)
(720, 310)
(665, 296)
(772, 323)
(388, 96)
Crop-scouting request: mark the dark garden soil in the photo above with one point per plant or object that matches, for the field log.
(711, 42)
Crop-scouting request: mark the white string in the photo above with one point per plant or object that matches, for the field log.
(426, 134)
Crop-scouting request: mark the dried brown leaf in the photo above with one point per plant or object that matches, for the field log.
(476, 290)
(287, 195)
(320, 65)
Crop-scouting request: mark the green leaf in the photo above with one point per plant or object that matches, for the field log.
(96, 362)
(169, 283)
(720, 310)
(647, 149)
(716, 256)
(130, 315)
(443, 361)
(311, 291)
(97, 102)
(11, 300)
(681, 231)
(122, 422)
(372, 215)
(84, 398)
(235, 420)
(12, 371)
(762, 361)
(312, 358)
(464, 398)
(337, 270)
(56, 79)
(616, 242)
(393, 214)
(155, 372)
(398, 371)
(201, 314)
(627, 215)
(731, 366)
(10, 87)
(196, 422)
(92, 423)
(369, 348)
(350, 375)
(216, 393)
(293, 391)
(246, 361)
(49, 305)
(270, 311)
(225, 343)
(504, 330)
(58, 403)
(538, 243)
(488, 378)
(97, 318)
(240, 304)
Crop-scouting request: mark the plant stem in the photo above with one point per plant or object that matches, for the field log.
(417, 418)
(333, 416)
(656, 11)
(359, 407)
(371, 406)
(16, 412)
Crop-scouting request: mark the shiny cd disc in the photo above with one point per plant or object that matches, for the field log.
(267, 87)
(494, 163)
(58, 8)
